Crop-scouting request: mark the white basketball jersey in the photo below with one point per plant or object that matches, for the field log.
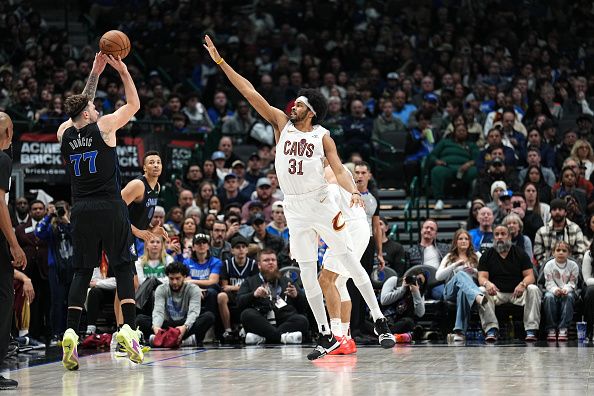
(299, 161)
(343, 198)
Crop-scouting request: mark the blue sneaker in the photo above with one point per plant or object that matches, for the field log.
(531, 335)
(491, 335)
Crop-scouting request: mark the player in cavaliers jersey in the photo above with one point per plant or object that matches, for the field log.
(302, 146)
(357, 226)
(99, 216)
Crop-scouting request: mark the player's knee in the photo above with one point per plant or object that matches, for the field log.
(327, 278)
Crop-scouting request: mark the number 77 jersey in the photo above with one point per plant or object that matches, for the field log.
(91, 163)
(299, 161)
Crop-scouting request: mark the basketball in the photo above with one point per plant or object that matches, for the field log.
(115, 43)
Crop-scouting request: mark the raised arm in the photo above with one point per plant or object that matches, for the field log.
(110, 123)
(98, 67)
(274, 116)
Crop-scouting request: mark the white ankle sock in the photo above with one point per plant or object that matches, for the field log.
(336, 327)
(346, 330)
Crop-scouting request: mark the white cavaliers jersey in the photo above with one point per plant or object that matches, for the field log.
(343, 198)
(299, 161)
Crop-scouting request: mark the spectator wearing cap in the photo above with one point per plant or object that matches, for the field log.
(277, 194)
(262, 239)
(226, 146)
(402, 109)
(220, 110)
(271, 306)
(177, 304)
(229, 192)
(558, 228)
(278, 225)
(204, 270)
(198, 119)
(392, 84)
(219, 247)
(235, 270)
(504, 206)
(239, 124)
(238, 168)
(496, 170)
(218, 157)
(550, 134)
(357, 129)
(497, 188)
(253, 172)
(263, 196)
(533, 158)
(385, 125)
(430, 107)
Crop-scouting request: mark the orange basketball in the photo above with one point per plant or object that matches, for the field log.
(115, 43)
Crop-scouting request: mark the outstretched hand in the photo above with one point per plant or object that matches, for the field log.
(99, 63)
(212, 50)
(117, 63)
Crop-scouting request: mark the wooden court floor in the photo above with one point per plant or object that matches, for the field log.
(547, 369)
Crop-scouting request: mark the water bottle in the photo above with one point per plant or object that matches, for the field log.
(429, 135)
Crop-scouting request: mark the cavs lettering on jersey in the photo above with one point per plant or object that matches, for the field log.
(299, 160)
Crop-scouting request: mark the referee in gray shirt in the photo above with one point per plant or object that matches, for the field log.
(362, 177)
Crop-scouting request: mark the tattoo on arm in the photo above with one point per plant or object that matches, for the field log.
(91, 86)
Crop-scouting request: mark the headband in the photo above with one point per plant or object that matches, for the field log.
(78, 110)
(305, 101)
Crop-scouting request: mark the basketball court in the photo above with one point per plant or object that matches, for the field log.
(433, 369)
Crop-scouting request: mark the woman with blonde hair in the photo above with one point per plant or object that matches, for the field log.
(582, 153)
(459, 269)
(154, 260)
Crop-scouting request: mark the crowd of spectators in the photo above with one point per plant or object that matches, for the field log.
(497, 95)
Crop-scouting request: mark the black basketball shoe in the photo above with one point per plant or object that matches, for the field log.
(326, 344)
(381, 329)
(7, 383)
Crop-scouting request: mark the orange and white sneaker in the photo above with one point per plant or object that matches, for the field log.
(351, 347)
(341, 349)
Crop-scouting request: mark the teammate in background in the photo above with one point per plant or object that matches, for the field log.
(302, 145)
(357, 226)
(99, 216)
(10, 251)
(140, 195)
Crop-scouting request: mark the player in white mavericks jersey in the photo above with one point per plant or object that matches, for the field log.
(357, 226)
(301, 148)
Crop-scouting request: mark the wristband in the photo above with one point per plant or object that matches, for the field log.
(356, 192)
(220, 61)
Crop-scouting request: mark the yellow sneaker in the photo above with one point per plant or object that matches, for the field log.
(128, 338)
(69, 349)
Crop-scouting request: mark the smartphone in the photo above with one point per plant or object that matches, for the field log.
(174, 239)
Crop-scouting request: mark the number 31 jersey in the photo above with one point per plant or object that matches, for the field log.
(299, 161)
(91, 163)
